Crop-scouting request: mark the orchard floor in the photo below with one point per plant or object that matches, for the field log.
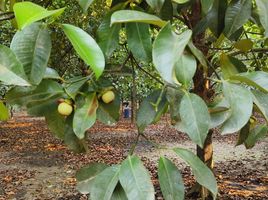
(34, 165)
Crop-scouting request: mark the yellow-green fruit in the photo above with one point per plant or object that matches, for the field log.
(65, 109)
(108, 97)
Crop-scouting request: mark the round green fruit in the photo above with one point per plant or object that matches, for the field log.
(108, 97)
(65, 109)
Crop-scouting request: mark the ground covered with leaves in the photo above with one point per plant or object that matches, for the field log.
(35, 165)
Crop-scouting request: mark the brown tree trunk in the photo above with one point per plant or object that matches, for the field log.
(201, 88)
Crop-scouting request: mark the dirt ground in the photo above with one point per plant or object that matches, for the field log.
(34, 165)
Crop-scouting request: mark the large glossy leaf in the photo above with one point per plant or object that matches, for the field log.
(119, 193)
(206, 5)
(262, 6)
(28, 12)
(85, 4)
(108, 36)
(219, 113)
(261, 100)
(202, 173)
(70, 139)
(237, 14)
(73, 85)
(214, 19)
(105, 183)
(4, 114)
(227, 68)
(174, 98)
(243, 134)
(139, 41)
(124, 16)
(85, 116)
(167, 51)
(170, 179)
(86, 47)
(156, 4)
(195, 119)
(258, 79)
(185, 69)
(11, 70)
(51, 74)
(86, 175)
(32, 47)
(198, 54)
(56, 123)
(148, 113)
(240, 101)
(166, 12)
(135, 180)
(256, 134)
(109, 113)
(46, 90)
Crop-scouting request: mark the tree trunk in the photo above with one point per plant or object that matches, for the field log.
(201, 88)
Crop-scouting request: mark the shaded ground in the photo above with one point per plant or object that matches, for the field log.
(35, 165)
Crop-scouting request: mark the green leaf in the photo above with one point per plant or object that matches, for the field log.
(261, 99)
(89, 172)
(166, 12)
(198, 54)
(4, 114)
(46, 90)
(135, 180)
(206, 5)
(51, 74)
(227, 68)
(214, 19)
(85, 4)
(147, 113)
(181, 1)
(125, 16)
(85, 116)
(108, 36)
(86, 175)
(262, 7)
(109, 113)
(202, 173)
(73, 85)
(185, 69)
(139, 41)
(11, 70)
(255, 134)
(243, 134)
(258, 79)
(86, 47)
(195, 119)
(240, 101)
(105, 183)
(219, 113)
(168, 48)
(70, 138)
(237, 14)
(119, 193)
(155, 4)
(170, 179)
(174, 98)
(56, 123)
(32, 47)
(28, 12)
(243, 45)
